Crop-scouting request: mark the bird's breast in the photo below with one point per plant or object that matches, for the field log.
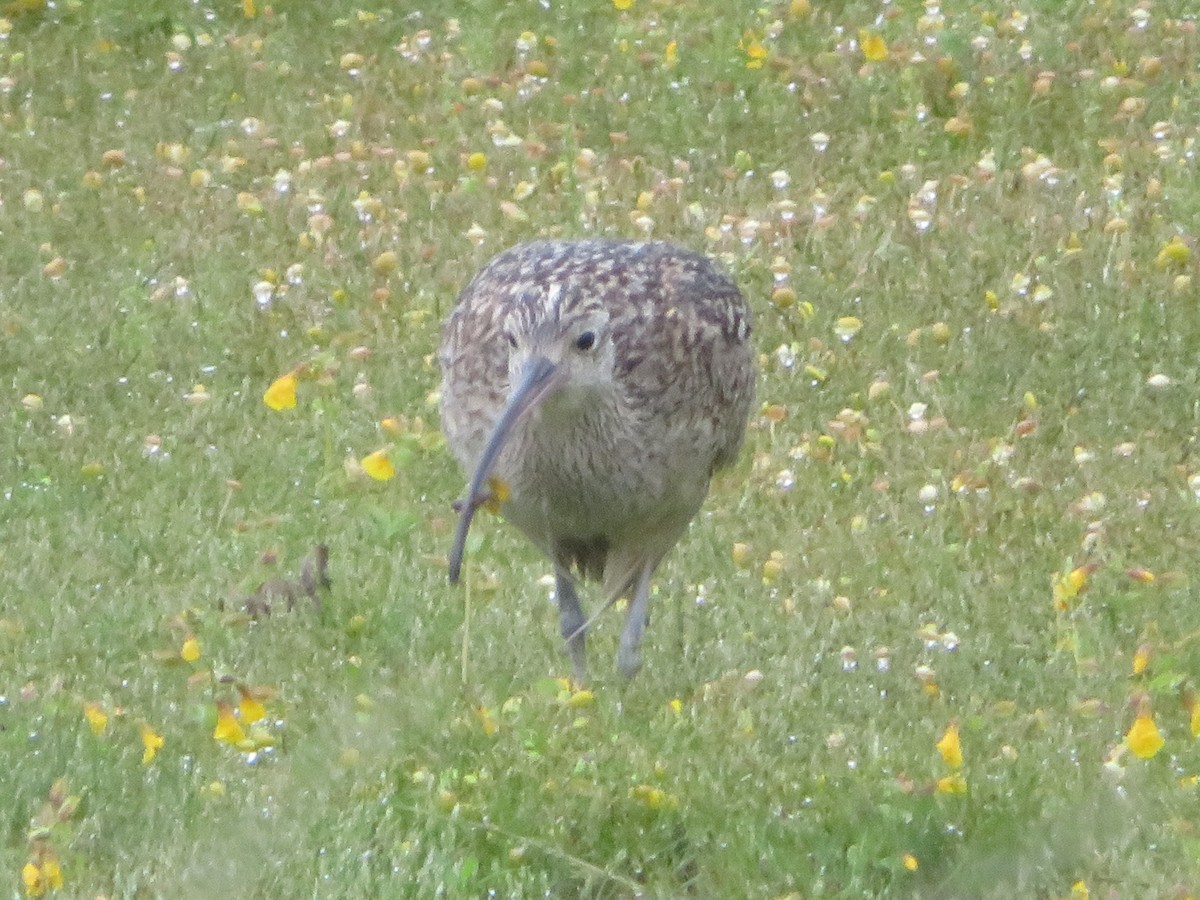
(592, 475)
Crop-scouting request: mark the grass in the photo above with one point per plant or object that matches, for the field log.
(978, 510)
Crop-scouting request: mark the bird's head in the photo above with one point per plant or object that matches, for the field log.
(558, 363)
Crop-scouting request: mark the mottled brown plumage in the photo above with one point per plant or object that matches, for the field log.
(603, 382)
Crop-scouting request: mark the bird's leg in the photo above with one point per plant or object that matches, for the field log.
(629, 652)
(571, 622)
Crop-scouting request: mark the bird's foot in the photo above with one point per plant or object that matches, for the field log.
(576, 650)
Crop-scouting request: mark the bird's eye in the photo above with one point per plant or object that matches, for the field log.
(586, 341)
(511, 338)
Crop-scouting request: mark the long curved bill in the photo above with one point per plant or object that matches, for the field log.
(536, 379)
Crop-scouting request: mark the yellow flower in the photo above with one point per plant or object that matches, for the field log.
(1143, 737)
(623, 4)
(1079, 891)
(378, 466)
(52, 874)
(258, 739)
(874, 47)
(951, 784)
(31, 874)
(1069, 586)
(847, 327)
(250, 708)
(1174, 253)
(249, 203)
(774, 412)
(40, 878)
(248, 9)
(1141, 659)
(190, 651)
(152, 742)
(487, 720)
(1077, 578)
(1194, 714)
(581, 699)
(96, 717)
(928, 678)
(959, 126)
(671, 55)
(653, 797)
(910, 862)
(755, 52)
(387, 262)
(281, 394)
(228, 729)
(498, 493)
(950, 748)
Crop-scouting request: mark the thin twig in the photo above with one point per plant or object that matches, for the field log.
(557, 852)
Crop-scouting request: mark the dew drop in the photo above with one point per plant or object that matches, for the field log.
(263, 292)
(921, 220)
(849, 658)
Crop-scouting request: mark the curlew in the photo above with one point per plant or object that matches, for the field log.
(594, 386)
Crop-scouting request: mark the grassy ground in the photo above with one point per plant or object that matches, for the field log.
(965, 518)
